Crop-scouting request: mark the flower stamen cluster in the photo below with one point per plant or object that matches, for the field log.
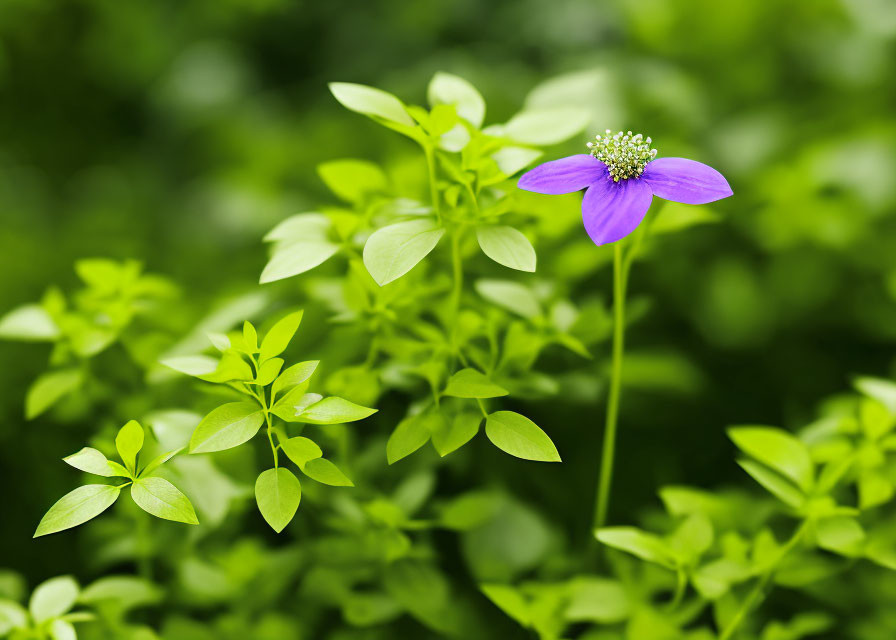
(625, 154)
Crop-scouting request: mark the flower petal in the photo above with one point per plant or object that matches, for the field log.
(565, 175)
(686, 181)
(612, 210)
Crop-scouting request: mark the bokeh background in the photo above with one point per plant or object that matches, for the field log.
(177, 133)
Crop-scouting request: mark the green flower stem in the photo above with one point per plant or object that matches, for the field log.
(610, 424)
(622, 264)
(755, 594)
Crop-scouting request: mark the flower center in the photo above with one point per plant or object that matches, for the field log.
(625, 154)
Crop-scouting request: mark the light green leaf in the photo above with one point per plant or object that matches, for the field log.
(158, 461)
(507, 246)
(220, 341)
(228, 426)
(392, 251)
(250, 337)
(451, 435)
(53, 598)
(840, 534)
(778, 449)
(777, 484)
(127, 592)
(129, 441)
(12, 616)
(334, 410)
(302, 226)
(446, 88)
(92, 461)
(352, 180)
(77, 507)
(300, 450)
(513, 159)
(371, 102)
(297, 256)
(470, 383)
(30, 322)
(294, 376)
(520, 437)
(62, 630)
(231, 367)
(638, 543)
(49, 389)
(510, 295)
(884, 391)
(411, 433)
(162, 499)
(324, 471)
(268, 371)
(546, 126)
(510, 601)
(278, 492)
(197, 365)
(294, 403)
(278, 338)
(875, 488)
(597, 600)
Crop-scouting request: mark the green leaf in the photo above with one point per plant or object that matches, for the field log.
(162, 499)
(598, 600)
(301, 450)
(510, 601)
(546, 126)
(777, 484)
(231, 367)
(250, 337)
(294, 376)
(228, 426)
(268, 371)
(778, 449)
(875, 488)
(53, 598)
(638, 543)
(513, 159)
(302, 226)
(62, 630)
(298, 256)
(158, 461)
(49, 389)
(278, 492)
(30, 322)
(411, 433)
(451, 435)
(884, 391)
(333, 410)
(197, 365)
(510, 295)
(12, 616)
(841, 534)
(371, 102)
(324, 471)
(470, 383)
(126, 592)
(129, 441)
(92, 461)
(280, 335)
(446, 88)
(520, 437)
(352, 180)
(392, 251)
(507, 246)
(294, 403)
(219, 340)
(77, 507)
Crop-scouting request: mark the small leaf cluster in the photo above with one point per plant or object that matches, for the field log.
(154, 494)
(81, 327)
(255, 371)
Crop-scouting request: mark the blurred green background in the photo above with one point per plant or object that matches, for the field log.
(177, 133)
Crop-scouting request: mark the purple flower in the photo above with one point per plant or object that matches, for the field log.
(620, 178)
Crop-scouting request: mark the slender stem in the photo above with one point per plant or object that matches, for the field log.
(433, 190)
(609, 446)
(681, 583)
(267, 417)
(457, 271)
(755, 594)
